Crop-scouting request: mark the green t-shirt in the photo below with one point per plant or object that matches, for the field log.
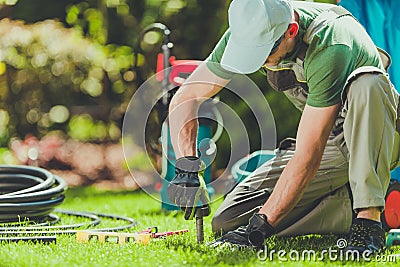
(334, 52)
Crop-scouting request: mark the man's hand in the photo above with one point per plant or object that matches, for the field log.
(188, 189)
(252, 235)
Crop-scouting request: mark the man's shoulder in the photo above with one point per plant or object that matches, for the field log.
(214, 59)
(306, 5)
(308, 12)
(219, 48)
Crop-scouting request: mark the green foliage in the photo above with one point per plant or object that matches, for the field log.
(139, 161)
(82, 16)
(7, 157)
(8, 2)
(49, 72)
(84, 128)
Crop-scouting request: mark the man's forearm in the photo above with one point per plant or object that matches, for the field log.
(183, 126)
(290, 188)
(201, 85)
(312, 135)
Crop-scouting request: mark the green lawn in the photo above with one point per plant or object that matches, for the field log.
(174, 251)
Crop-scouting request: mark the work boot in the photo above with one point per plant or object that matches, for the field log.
(252, 235)
(366, 236)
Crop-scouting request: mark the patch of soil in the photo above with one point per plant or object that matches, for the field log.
(80, 163)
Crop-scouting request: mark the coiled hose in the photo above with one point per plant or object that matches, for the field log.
(28, 192)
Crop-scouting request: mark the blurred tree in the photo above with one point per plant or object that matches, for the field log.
(98, 88)
(54, 78)
(46, 79)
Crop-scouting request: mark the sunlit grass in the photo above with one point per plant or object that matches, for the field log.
(182, 250)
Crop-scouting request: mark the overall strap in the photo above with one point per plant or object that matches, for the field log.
(285, 77)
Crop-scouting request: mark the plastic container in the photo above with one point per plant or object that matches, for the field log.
(204, 131)
(395, 174)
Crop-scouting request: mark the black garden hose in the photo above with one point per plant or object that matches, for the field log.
(71, 228)
(28, 192)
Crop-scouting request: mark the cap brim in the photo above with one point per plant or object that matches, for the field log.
(243, 59)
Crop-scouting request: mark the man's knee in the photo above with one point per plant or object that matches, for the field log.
(217, 225)
(220, 223)
(224, 220)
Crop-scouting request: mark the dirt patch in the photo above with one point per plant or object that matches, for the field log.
(79, 163)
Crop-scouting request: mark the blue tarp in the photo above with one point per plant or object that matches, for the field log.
(383, 24)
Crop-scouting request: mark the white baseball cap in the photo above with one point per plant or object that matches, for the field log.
(255, 26)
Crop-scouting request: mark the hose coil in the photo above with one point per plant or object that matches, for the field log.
(28, 193)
